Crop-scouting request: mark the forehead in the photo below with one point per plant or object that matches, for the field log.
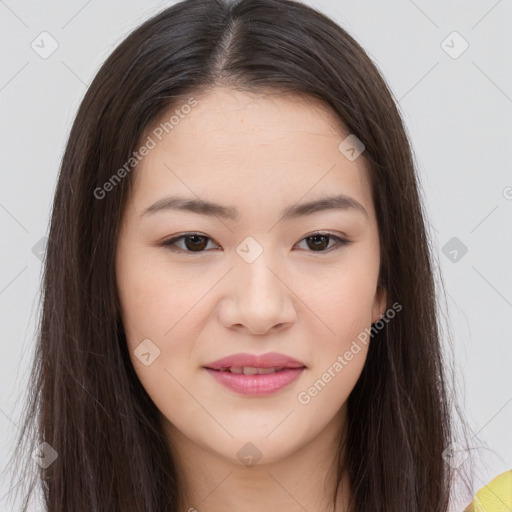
(262, 147)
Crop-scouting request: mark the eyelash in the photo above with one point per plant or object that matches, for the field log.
(341, 242)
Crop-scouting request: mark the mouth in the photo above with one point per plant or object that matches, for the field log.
(250, 381)
(251, 370)
(251, 364)
(257, 375)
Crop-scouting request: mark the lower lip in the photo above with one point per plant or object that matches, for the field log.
(256, 385)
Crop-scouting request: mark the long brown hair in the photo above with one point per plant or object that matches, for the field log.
(86, 401)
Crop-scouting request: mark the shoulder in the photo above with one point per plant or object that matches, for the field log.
(496, 496)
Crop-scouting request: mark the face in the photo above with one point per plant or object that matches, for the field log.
(198, 285)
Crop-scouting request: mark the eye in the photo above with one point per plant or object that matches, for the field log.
(321, 241)
(196, 242)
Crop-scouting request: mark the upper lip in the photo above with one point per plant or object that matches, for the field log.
(269, 360)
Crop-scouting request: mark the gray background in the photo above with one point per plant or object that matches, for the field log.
(458, 112)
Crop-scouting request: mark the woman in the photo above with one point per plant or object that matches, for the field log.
(239, 303)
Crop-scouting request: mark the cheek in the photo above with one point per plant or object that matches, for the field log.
(341, 345)
(144, 311)
(153, 310)
(160, 305)
(150, 295)
(342, 300)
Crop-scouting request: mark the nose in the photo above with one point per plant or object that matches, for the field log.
(258, 298)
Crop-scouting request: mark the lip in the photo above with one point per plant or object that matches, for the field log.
(258, 384)
(267, 360)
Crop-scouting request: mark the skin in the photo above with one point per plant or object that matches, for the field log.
(258, 153)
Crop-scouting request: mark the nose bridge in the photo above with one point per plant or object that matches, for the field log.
(259, 292)
(256, 269)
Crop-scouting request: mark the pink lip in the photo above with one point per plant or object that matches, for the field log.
(256, 385)
(256, 361)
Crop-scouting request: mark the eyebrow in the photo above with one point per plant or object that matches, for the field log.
(202, 207)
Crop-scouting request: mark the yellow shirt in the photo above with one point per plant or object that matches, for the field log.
(496, 496)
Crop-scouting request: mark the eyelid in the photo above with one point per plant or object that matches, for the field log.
(341, 241)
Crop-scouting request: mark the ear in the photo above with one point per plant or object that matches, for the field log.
(379, 303)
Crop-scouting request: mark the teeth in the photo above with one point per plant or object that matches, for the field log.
(250, 370)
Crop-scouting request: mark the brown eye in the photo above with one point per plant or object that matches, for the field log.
(194, 242)
(319, 242)
(197, 243)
